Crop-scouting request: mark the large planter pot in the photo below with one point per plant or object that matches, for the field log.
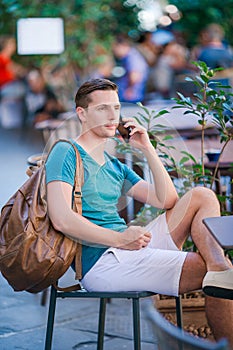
(194, 318)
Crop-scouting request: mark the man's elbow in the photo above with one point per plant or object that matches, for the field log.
(59, 224)
(170, 203)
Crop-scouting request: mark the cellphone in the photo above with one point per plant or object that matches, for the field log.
(124, 132)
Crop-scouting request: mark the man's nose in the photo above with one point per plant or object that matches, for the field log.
(112, 113)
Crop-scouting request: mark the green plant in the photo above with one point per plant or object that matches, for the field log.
(212, 101)
(90, 28)
(199, 13)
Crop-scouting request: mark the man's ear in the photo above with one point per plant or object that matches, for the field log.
(81, 114)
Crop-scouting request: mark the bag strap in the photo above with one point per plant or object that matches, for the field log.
(72, 288)
(79, 179)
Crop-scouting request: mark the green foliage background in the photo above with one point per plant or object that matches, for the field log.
(89, 25)
(196, 14)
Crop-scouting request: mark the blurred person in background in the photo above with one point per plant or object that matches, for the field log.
(12, 85)
(42, 103)
(150, 52)
(202, 41)
(172, 60)
(213, 50)
(147, 48)
(132, 83)
(104, 67)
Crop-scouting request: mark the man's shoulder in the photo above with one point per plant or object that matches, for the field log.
(62, 149)
(63, 145)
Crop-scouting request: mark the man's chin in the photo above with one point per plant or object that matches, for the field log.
(110, 132)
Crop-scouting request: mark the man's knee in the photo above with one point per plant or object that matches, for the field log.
(204, 196)
(193, 272)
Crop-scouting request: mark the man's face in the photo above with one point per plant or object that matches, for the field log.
(102, 114)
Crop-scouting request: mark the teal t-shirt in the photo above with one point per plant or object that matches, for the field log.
(102, 188)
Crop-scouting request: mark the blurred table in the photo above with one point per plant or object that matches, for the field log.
(222, 230)
(193, 146)
(65, 127)
(223, 181)
(225, 167)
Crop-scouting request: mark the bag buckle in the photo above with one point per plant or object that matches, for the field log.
(78, 194)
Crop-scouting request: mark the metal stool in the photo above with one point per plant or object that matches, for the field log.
(104, 297)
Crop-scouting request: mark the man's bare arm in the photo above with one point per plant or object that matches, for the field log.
(74, 225)
(162, 193)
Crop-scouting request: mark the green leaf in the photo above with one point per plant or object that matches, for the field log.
(204, 78)
(188, 112)
(143, 117)
(168, 137)
(189, 79)
(184, 160)
(200, 80)
(162, 112)
(154, 143)
(190, 156)
(201, 122)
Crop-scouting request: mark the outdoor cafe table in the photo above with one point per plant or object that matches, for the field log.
(193, 146)
(222, 230)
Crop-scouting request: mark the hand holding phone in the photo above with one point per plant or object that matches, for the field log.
(124, 132)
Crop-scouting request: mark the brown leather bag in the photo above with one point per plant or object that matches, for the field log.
(33, 255)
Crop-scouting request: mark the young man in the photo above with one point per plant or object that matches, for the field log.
(116, 257)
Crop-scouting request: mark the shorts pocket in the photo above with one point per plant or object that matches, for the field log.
(113, 253)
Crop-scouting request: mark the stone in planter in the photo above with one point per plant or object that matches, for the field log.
(194, 318)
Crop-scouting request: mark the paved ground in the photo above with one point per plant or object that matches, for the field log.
(23, 319)
(23, 322)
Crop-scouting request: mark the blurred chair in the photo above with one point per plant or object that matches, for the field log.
(169, 337)
(181, 85)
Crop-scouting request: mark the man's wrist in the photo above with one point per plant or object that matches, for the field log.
(148, 149)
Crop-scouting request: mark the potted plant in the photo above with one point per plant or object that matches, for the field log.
(212, 101)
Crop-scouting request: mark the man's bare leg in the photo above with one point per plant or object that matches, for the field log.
(184, 219)
(219, 312)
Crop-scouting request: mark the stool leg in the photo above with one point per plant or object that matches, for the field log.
(179, 314)
(102, 313)
(50, 322)
(136, 324)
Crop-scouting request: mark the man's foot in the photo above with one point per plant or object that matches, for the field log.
(219, 284)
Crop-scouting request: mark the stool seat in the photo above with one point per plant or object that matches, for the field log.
(104, 297)
(85, 294)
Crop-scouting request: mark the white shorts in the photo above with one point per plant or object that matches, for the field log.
(156, 268)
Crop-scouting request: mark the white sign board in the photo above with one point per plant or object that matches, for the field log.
(40, 36)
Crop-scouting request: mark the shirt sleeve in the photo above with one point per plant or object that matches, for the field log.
(61, 164)
(131, 178)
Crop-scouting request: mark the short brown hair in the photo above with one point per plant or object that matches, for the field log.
(82, 98)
